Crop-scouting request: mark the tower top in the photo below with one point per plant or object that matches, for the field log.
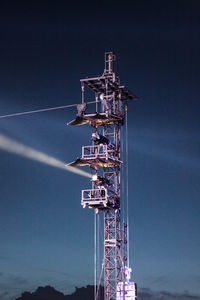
(109, 63)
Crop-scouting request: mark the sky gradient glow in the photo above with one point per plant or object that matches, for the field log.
(45, 235)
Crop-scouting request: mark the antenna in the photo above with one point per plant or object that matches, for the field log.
(109, 63)
(104, 158)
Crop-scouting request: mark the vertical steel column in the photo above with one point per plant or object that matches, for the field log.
(112, 253)
(112, 231)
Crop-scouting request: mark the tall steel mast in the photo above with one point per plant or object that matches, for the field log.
(104, 158)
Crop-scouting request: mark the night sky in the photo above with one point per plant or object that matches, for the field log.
(46, 47)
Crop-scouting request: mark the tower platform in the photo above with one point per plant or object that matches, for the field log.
(97, 155)
(99, 198)
(97, 119)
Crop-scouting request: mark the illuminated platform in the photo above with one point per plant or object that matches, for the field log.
(97, 119)
(97, 155)
(99, 198)
(99, 162)
(95, 198)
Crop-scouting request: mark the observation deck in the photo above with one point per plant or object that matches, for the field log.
(97, 155)
(97, 119)
(95, 198)
(99, 198)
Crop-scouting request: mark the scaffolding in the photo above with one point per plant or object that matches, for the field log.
(105, 162)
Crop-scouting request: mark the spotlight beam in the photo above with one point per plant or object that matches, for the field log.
(10, 145)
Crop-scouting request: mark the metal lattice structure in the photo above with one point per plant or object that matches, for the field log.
(104, 159)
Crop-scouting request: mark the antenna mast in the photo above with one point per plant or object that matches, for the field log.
(104, 157)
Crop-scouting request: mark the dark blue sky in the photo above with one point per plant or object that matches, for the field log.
(45, 235)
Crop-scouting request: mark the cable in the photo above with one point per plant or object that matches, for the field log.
(95, 255)
(127, 194)
(123, 136)
(98, 230)
(41, 110)
(122, 176)
(99, 282)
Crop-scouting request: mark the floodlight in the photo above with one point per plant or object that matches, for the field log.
(101, 96)
(81, 108)
(94, 177)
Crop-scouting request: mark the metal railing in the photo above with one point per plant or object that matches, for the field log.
(97, 197)
(97, 151)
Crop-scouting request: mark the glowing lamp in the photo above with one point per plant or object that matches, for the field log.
(101, 96)
(94, 177)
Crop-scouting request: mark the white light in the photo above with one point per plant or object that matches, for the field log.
(94, 177)
(128, 273)
(10, 145)
(101, 96)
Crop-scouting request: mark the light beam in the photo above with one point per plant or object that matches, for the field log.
(10, 145)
